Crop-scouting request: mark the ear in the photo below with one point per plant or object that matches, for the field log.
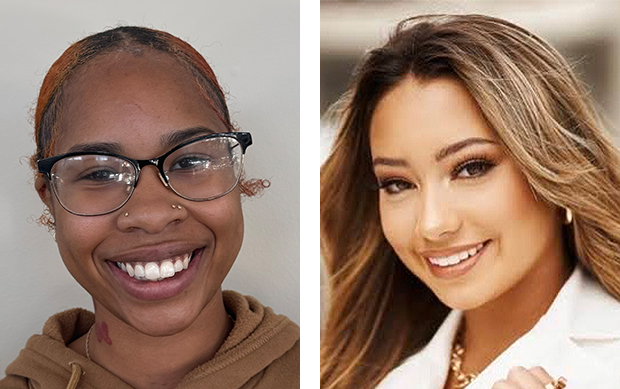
(41, 185)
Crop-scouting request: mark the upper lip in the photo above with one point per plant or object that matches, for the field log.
(154, 253)
(449, 251)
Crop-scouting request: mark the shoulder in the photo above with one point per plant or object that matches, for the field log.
(261, 351)
(594, 313)
(595, 319)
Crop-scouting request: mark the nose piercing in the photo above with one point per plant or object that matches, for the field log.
(176, 206)
(126, 214)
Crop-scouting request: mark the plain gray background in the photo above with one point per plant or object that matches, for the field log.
(253, 48)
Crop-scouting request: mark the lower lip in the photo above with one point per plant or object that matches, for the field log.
(460, 268)
(158, 290)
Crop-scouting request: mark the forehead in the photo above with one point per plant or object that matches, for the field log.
(131, 99)
(425, 115)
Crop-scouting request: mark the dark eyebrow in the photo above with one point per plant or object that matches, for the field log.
(168, 141)
(455, 147)
(389, 161)
(98, 147)
(443, 153)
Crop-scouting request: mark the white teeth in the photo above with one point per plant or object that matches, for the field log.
(166, 269)
(139, 269)
(156, 271)
(151, 271)
(455, 258)
(130, 270)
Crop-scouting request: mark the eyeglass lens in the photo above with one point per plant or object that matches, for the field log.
(96, 184)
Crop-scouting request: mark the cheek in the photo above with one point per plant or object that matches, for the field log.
(517, 210)
(398, 224)
(77, 238)
(224, 217)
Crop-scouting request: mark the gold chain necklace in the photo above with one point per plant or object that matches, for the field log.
(87, 339)
(456, 362)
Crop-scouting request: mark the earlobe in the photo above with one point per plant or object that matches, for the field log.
(42, 187)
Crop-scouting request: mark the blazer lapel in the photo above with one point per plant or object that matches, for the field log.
(568, 339)
(428, 368)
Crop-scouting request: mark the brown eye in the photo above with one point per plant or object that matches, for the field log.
(473, 168)
(394, 186)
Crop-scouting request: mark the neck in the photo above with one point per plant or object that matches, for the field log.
(490, 329)
(145, 361)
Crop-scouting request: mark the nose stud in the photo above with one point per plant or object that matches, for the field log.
(126, 214)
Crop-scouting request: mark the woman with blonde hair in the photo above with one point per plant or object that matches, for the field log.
(470, 218)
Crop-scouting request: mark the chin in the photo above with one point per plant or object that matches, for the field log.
(461, 298)
(164, 320)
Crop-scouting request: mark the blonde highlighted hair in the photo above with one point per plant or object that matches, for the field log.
(379, 313)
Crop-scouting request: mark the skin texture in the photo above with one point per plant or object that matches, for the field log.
(135, 101)
(472, 195)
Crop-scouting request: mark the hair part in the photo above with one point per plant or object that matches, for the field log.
(128, 39)
(379, 313)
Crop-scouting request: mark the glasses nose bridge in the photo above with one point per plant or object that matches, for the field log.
(158, 163)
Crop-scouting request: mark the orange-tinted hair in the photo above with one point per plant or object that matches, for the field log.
(128, 39)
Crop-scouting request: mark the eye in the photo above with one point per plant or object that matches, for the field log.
(191, 163)
(100, 175)
(394, 186)
(473, 168)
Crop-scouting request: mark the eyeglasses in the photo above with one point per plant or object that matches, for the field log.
(201, 169)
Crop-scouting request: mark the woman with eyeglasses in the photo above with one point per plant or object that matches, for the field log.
(470, 218)
(141, 171)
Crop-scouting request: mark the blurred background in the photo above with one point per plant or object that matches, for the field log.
(587, 33)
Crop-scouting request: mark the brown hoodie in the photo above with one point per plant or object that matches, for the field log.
(261, 351)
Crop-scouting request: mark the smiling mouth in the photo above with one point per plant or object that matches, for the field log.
(157, 270)
(457, 258)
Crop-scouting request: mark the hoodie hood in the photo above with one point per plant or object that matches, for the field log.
(261, 351)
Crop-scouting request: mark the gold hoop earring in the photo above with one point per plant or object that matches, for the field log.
(569, 216)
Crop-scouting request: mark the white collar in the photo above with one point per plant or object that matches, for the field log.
(582, 310)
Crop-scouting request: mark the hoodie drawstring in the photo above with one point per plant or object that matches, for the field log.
(76, 374)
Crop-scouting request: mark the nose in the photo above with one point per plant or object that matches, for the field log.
(152, 206)
(438, 217)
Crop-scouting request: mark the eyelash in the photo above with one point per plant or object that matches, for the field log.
(387, 183)
(484, 164)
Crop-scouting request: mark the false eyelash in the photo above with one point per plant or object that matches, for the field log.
(489, 162)
(386, 183)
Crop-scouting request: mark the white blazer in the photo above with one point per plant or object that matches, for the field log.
(578, 338)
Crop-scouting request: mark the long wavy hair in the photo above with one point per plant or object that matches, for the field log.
(135, 40)
(378, 312)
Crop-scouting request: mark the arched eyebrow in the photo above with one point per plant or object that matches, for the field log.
(455, 147)
(441, 154)
(389, 161)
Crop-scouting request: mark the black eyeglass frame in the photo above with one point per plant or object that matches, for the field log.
(45, 166)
